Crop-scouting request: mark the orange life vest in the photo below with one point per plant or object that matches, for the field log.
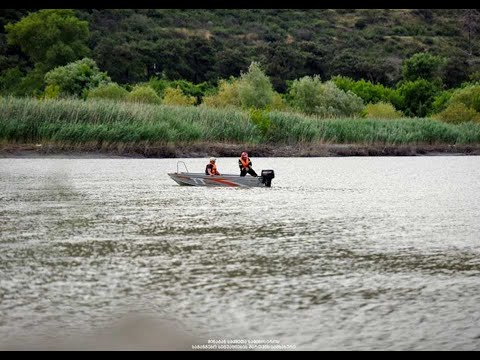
(245, 162)
(214, 169)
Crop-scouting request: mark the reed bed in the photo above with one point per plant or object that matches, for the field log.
(29, 120)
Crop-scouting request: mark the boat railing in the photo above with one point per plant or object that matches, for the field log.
(184, 165)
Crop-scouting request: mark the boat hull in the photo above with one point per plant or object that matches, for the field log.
(198, 179)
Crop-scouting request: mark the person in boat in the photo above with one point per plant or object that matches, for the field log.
(246, 165)
(211, 168)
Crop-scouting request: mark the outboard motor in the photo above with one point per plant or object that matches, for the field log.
(267, 176)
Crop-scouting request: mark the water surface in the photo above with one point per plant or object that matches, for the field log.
(339, 254)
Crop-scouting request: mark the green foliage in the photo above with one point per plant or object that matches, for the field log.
(369, 92)
(305, 94)
(30, 85)
(159, 85)
(469, 96)
(441, 100)
(50, 37)
(195, 48)
(175, 96)
(458, 113)
(9, 81)
(278, 103)
(111, 91)
(143, 94)
(228, 95)
(260, 119)
(422, 66)
(199, 45)
(254, 88)
(382, 110)
(77, 77)
(52, 92)
(76, 121)
(311, 96)
(417, 97)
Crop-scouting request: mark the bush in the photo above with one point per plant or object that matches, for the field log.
(52, 92)
(458, 113)
(422, 66)
(278, 103)
(255, 89)
(227, 95)
(305, 94)
(417, 97)
(9, 80)
(111, 91)
(76, 78)
(260, 119)
(369, 92)
(143, 94)
(382, 110)
(441, 101)
(469, 96)
(310, 96)
(176, 97)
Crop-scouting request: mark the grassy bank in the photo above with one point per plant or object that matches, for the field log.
(105, 125)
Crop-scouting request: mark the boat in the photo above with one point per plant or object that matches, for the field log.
(227, 180)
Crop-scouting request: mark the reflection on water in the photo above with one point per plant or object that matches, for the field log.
(340, 254)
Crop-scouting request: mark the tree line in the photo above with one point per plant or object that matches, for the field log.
(129, 55)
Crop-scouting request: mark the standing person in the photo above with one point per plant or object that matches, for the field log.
(211, 168)
(246, 165)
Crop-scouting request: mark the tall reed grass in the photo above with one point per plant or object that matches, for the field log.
(26, 120)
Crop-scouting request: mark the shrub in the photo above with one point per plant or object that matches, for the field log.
(254, 88)
(382, 110)
(441, 101)
(227, 95)
(175, 96)
(260, 119)
(143, 94)
(417, 97)
(469, 96)
(422, 66)
(278, 103)
(111, 91)
(77, 77)
(52, 92)
(311, 96)
(368, 91)
(458, 113)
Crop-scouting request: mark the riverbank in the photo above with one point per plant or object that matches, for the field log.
(201, 150)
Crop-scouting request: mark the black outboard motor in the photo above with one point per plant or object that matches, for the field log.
(267, 176)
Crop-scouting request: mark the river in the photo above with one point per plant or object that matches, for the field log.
(354, 253)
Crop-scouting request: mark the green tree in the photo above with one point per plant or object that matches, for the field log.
(254, 88)
(50, 37)
(305, 94)
(369, 92)
(422, 66)
(417, 97)
(76, 78)
(311, 96)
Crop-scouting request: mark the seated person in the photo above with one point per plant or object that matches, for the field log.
(211, 168)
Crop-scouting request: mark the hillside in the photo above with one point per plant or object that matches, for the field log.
(208, 44)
